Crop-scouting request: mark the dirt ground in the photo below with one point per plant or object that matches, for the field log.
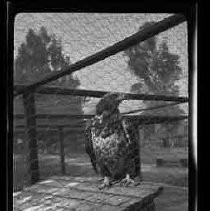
(172, 199)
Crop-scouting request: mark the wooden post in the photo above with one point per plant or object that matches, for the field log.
(62, 154)
(30, 122)
(139, 147)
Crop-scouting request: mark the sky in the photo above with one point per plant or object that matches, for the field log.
(83, 34)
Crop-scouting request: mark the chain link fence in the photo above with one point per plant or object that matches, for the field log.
(60, 139)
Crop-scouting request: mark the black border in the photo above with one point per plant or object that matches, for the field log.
(12, 9)
(191, 53)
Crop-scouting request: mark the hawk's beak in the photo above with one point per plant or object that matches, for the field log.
(100, 118)
(122, 97)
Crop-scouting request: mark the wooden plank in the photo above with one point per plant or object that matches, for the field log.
(99, 94)
(71, 193)
(136, 38)
(30, 122)
(62, 153)
(52, 127)
(55, 116)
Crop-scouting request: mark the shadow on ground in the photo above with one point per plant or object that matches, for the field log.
(172, 199)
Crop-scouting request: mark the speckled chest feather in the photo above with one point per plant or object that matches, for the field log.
(109, 140)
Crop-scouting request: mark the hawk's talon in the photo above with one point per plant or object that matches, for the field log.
(105, 184)
(126, 181)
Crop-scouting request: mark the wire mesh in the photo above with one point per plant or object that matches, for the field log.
(81, 35)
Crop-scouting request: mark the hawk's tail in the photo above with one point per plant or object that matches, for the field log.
(89, 147)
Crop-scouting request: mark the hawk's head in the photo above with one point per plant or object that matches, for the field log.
(108, 105)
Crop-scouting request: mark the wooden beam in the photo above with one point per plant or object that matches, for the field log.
(99, 94)
(56, 116)
(139, 145)
(141, 118)
(136, 38)
(52, 127)
(137, 160)
(30, 122)
(150, 119)
(62, 153)
(22, 131)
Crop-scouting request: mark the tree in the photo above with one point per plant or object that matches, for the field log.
(157, 70)
(39, 55)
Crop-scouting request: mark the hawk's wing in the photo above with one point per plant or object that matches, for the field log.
(132, 135)
(89, 145)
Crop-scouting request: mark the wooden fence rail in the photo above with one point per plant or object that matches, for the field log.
(141, 118)
(52, 127)
(99, 94)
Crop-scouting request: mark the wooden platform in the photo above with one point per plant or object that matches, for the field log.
(77, 193)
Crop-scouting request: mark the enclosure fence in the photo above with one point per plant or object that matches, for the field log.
(28, 120)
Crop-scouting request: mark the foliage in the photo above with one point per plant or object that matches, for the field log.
(38, 56)
(157, 70)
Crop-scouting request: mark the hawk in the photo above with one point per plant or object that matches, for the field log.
(111, 142)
